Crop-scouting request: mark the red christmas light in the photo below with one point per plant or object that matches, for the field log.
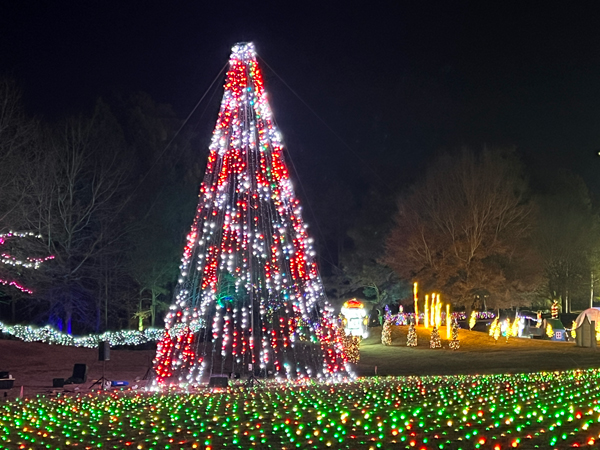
(27, 263)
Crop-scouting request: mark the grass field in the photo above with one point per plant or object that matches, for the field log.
(486, 395)
(478, 354)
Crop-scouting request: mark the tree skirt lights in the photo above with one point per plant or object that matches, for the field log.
(542, 410)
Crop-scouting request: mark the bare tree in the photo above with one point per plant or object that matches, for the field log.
(568, 239)
(463, 230)
(17, 137)
(76, 187)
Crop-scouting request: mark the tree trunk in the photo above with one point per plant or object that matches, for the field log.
(68, 316)
(140, 316)
(153, 309)
(567, 299)
(106, 301)
(98, 316)
(591, 289)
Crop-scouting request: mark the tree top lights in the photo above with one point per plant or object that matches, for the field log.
(249, 297)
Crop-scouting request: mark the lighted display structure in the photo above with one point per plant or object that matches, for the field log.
(249, 297)
(355, 314)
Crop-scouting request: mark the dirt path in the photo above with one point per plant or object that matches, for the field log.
(34, 365)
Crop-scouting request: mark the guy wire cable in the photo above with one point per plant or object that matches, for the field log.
(219, 75)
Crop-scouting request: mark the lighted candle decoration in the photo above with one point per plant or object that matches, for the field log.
(416, 299)
(494, 412)
(426, 311)
(435, 310)
(448, 321)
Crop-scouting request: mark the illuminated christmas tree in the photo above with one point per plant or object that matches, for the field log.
(351, 346)
(249, 297)
(411, 339)
(386, 332)
(454, 343)
(435, 341)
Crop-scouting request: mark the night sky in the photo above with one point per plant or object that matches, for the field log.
(396, 83)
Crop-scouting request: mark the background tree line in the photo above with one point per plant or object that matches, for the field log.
(113, 193)
(109, 208)
(478, 227)
(485, 233)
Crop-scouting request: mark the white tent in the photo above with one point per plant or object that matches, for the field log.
(593, 314)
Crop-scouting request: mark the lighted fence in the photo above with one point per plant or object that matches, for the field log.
(50, 335)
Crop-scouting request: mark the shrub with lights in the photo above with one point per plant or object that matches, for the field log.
(249, 296)
(472, 320)
(8, 260)
(495, 329)
(386, 332)
(435, 340)
(411, 338)
(352, 348)
(454, 343)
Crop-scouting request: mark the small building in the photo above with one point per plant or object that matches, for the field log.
(559, 332)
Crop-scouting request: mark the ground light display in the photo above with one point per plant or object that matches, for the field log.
(249, 298)
(541, 410)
